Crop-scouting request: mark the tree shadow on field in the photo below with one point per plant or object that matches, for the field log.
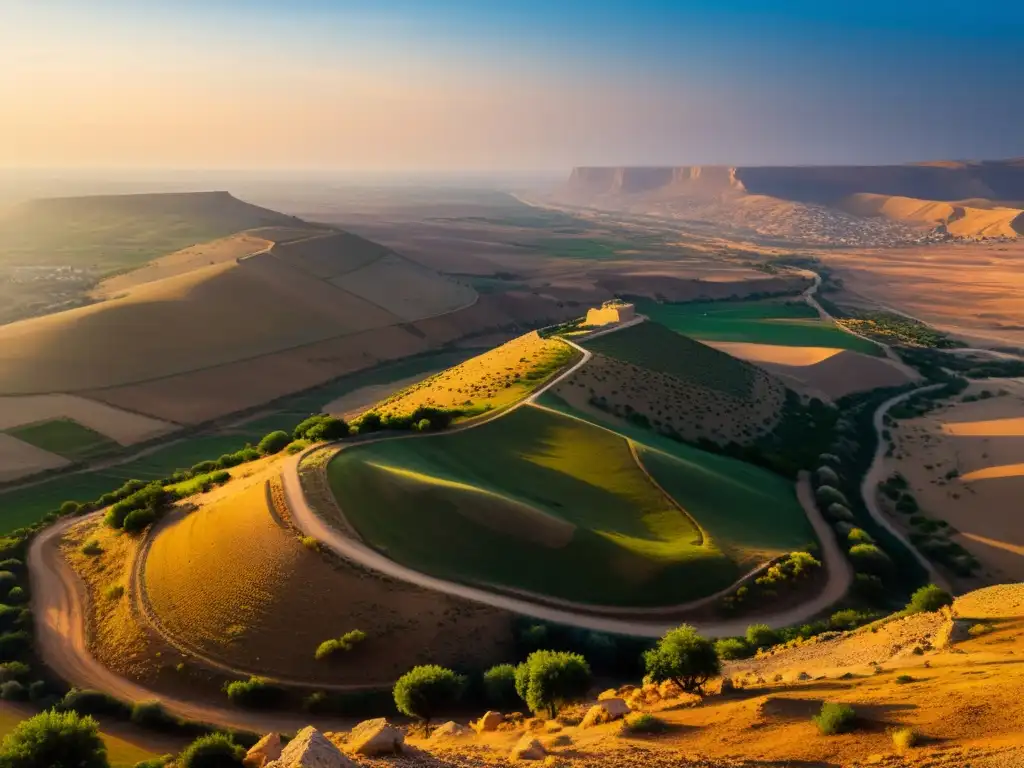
(753, 692)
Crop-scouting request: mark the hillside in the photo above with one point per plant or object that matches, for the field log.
(221, 313)
(971, 200)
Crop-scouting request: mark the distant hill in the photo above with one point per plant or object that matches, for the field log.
(964, 186)
(111, 232)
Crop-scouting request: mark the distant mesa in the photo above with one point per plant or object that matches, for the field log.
(610, 312)
(971, 199)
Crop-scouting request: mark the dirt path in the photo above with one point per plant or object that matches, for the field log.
(58, 605)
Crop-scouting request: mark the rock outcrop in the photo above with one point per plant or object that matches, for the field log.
(266, 750)
(311, 749)
(375, 737)
(488, 722)
(527, 748)
(605, 711)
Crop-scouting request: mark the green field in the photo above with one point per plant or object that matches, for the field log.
(65, 437)
(759, 322)
(656, 347)
(492, 505)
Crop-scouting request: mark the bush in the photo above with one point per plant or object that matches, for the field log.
(138, 520)
(256, 692)
(16, 595)
(351, 639)
(835, 718)
(684, 657)
(213, 751)
(346, 642)
(54, 739)
(69, 508)
(905, 738)
(929, 598)
(299, 433)
(327, 648)
(643, 723)
(329, 428)
(151, 714)
(114, 592)
(827, 494)
(870, 558)
(92, 548)
(275, 442)
(424, 691)
(14, 645)
(500, 686)
(548, 680)
(37, 691)
(12, 690)
(88, 702)
(904, 679)
(844, 621)
(14, 670)
(827, 476)
(156, 762)
(859, 536)
(295, 446)
(368, 422)
(839, 512)
(761, 636)
(730, 648)
(11, 564)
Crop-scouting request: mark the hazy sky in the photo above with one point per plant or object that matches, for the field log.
(489, 84)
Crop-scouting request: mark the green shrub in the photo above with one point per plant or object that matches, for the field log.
(88, 702)
(14, 645)
(907, 504)
(69, 508)
(16, 595)
(844, 621)
(275, 442)
(761, 636)
(216, 750)
(684, 657)
(54, 740)
(827, 476)
(859, 536)
(114, 592)
(870, 558)
(330, 428)
(730, 648)
(11, 564)
(327, 649)
(424, 691)
(138, 520)
(835, 718)
(151, 714)
(295, 446)
(156, 762)
(929, 598)
(500, 686)
(92, 548)
(548, 680)
(14, 670)
(299, 433)
(839, 512)
(827, 494)
(904, 679)
(256, 693)
(351, 639)
(37, 691)
(642, 723)
(12, 690)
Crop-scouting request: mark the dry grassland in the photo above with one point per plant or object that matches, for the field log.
(495, 379)
(20, 459)
(672, 404)
(405, 289)
(233, 581)
(964, 465)
(119, 425)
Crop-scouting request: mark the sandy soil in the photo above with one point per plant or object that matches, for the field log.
(775, 353)
(842, 374)
(355, 402)
(119, 425)
(20, 459)
(961, 220)
(962, 463)
(975, 290)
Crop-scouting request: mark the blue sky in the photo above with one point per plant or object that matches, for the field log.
(464, 84)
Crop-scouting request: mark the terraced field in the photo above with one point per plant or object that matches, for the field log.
(771, 321)
(540, 501)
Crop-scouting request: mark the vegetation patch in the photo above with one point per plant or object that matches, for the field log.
(65, 437)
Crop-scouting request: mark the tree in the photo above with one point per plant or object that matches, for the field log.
(329, 428)
(55, 740)
(929, 598)
(761, 636)
(549, 679)
(216, 750)
(424, 691)
(684, 657)
(500, 686)
(871, 559)
(273, 443)
(826, 495)
(827, 476)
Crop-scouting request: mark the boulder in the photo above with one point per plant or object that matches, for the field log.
(450, 730)
(604, 712)
(375, 737)
(311, 749)
(670, 689)
(611, 693)
(266, 750)
(528, 748)
(489, 722)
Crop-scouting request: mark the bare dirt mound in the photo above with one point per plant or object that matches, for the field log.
(842, 374)
(267, 609)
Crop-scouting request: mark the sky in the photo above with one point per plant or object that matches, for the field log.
(474, 85)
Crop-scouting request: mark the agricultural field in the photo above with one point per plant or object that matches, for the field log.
(120, 426)
(770, 321)
(64, 437)
(268, 613)
(496, 379)
(566, 496)
(583, 248)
